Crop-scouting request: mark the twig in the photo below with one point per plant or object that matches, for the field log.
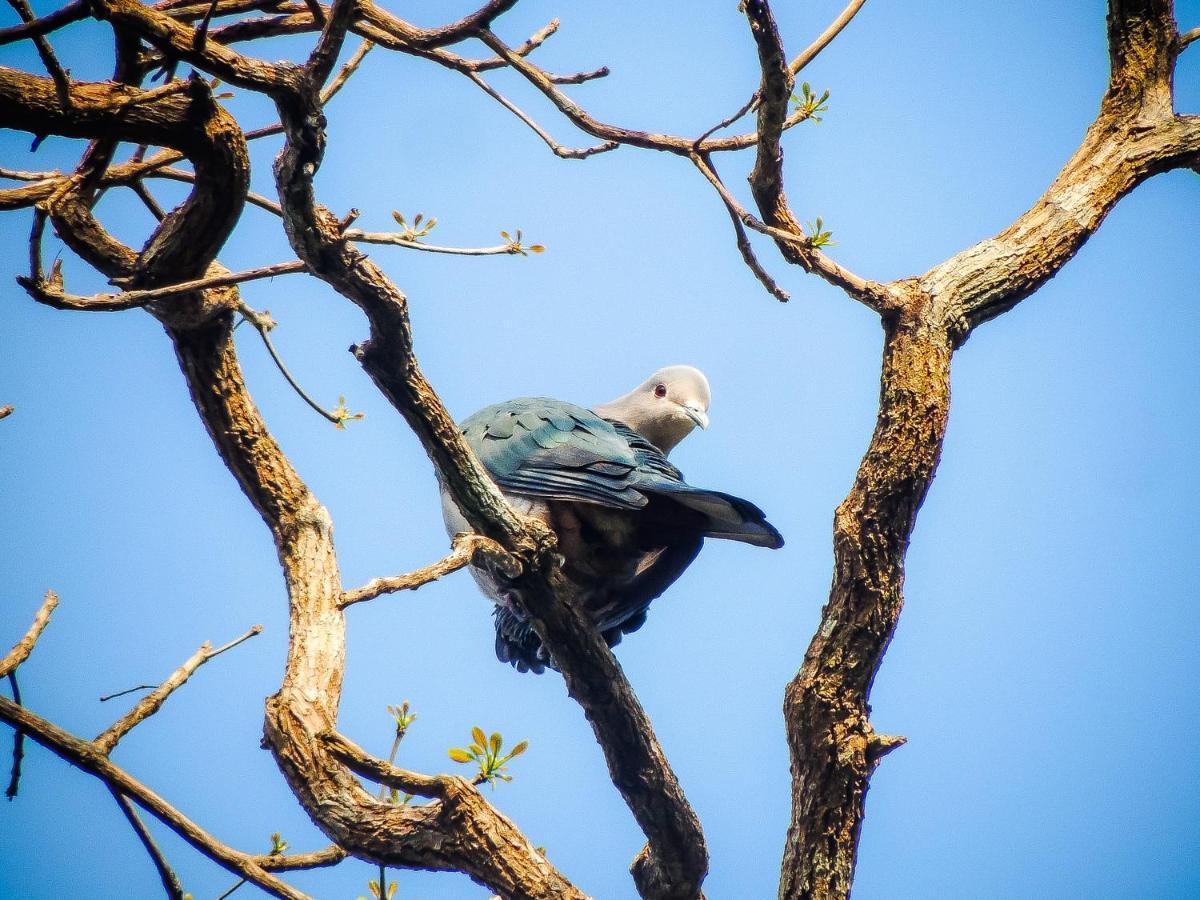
(170, 881)
(201, 35)
(263, 323)
(21, 650)
(705, 165)
(14, 781)
(151, 703)
(329, 44)
(173, 174)
(580, 77)
(18, 175)
(6, 411)
(399, 240)
(559, 149)
(147, 199)
(88, 758)
(140, 687)
(468, 548)
(346, 71)
(62, 83)
(362, 763)
(52, 294)
(823, 40)
(317, 859)
(72, 12)
(1188, 36)
(225, 894)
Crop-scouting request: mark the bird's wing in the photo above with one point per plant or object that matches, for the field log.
(555, 450)
(546, 448)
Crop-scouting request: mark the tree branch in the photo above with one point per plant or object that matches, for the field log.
(170, 881)
(152, 702)
(468, 548)
(21, 650)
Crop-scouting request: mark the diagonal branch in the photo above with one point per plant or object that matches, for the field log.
(468, 549)
(21, 650)
(152, 702)
(170, 881)
(90, 759)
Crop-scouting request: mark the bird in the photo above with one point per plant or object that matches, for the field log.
(627, 522)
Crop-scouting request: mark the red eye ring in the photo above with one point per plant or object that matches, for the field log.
(660, 390)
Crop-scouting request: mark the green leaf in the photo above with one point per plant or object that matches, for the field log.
(494, 742)
(478, 736)
(519, 749)
(459, 755)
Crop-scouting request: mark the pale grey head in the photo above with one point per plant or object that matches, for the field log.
(665, 407)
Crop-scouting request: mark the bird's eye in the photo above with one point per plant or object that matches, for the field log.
(660, 390)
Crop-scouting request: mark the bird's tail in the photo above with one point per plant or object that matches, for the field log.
(726, 516)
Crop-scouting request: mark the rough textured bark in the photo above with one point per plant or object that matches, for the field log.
(175, 277)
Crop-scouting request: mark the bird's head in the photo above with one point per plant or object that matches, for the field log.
(665, 407)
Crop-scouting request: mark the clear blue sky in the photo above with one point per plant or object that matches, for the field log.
(1044, 669)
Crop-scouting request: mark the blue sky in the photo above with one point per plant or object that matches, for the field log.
(1044, 665)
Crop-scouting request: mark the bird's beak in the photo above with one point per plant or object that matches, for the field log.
(697, 415)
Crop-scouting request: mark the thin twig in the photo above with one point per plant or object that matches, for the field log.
(559, 149)
(396, 239)
(18, 175)
(1188, 36)
(72, 12)
(468, 548)
(143, 194)
(140, 687)
(151, 703)
(14, 781)
(86, 756)
(580, 77)
(62, 83)
(6, 411)
(823, 40)
(317, 859)
(170, 881)
(52, 293)
(705, 165)
(21, 650)
(263, 323)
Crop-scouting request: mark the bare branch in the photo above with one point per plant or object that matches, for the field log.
(399, 239)
(46, 52)
(152, 702)
(21, 650)
(705, 165)
(468, 548)
(559, 150)
(18, 753)
(139, 687)
(362, 763)
(51, 293)
(263, 323)
(318, 859)
(826, 37)
(90, 759)
(72, 12)
(6, 411)
(1188, 37)
(170, 881)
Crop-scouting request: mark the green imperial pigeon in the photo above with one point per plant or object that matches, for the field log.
(627, 522)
